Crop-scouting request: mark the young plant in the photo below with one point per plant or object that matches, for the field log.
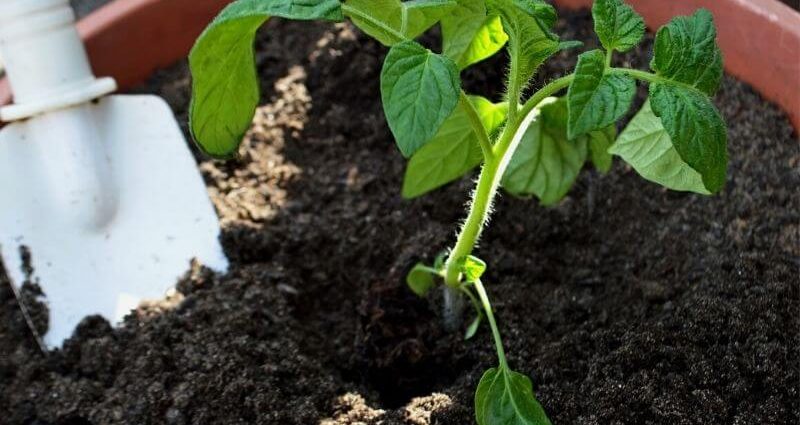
(529, 146)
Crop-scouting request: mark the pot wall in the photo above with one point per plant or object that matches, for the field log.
(129, 39)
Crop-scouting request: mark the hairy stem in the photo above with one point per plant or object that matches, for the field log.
(489, 180)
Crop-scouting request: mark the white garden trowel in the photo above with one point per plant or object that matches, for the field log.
(102, 192)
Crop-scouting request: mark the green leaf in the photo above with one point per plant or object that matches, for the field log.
(472, 329)
(646, 146)
(224, 87)
(441, 258)
(469, 35)
(686, 52)
(394, 21)
(689, 64)
(544, 12)
(472, 267)
(599, 143)
(505, 397)
(530, 40)
(454, 150)
(697, 130)
(419, 90)
(420, 279)
(617, 25)
(597, 99)
(546, 163)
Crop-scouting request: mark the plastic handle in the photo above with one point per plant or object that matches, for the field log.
(52, 82)
(45, 60)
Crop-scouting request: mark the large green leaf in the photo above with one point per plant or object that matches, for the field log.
(505, 397)
(689, 65)
(394, 21)
(597, 99)
(617, 25)
(469, 35)
(546, 163)
(696, 129)
(646, 146)
(224, 86)
(686, 52)
(419, 90)
(530, 40)
(453, 151)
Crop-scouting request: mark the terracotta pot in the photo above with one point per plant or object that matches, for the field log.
(129, 39)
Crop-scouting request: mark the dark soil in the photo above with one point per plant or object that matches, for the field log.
(626, 303)
(795, 4)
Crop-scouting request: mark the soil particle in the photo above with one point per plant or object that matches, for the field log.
(625, 303)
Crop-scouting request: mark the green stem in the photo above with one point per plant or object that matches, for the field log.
(389, 31)
(652, 78)
(487, 307)
(477, 127)
(641, 75)
(489, 180)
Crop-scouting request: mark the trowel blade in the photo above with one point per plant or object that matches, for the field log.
(163, 221)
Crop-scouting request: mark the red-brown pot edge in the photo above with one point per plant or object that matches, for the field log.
(130, 39)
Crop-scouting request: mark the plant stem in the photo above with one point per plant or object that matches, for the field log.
(649, 77)
(487, 307)
(491, 174)
(477, 127)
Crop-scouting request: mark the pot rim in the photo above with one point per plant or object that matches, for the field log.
(131, 39)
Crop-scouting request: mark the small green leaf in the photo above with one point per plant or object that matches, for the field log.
(546, 163)
(597, 99)
(530, 40)
(473, 268)
(646, 146)
(469, 35)
(697, 130)
(686, 52)
(420, 279)
(599, 143)
(617, 25)
(454, 150)
(505, 397)
(394, 21)
(224, 86)
(419, 90)
(438, 262)
(472, 329)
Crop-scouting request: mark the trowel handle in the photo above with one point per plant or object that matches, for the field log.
(52, 82)
(45, 60)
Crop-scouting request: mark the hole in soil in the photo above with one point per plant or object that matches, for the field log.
(403, 349)
(396, 385)
(74, 420)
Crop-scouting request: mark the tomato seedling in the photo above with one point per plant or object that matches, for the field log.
(529, 146)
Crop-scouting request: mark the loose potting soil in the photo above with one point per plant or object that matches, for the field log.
(626, 303)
